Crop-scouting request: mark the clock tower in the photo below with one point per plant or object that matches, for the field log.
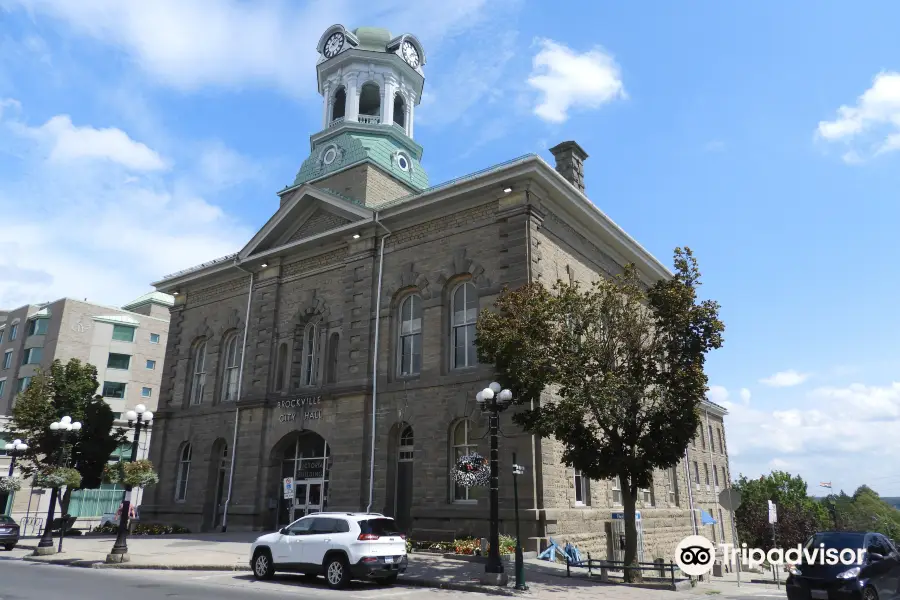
(371, 83)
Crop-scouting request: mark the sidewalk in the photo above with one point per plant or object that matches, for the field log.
(230, 552)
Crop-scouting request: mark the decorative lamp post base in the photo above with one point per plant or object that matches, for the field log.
(118, 558)
(499, 579)
(44, 551)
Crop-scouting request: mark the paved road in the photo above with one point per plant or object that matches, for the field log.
(21, 580)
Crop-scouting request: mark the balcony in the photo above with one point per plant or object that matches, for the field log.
(370, 119)
(336, 122)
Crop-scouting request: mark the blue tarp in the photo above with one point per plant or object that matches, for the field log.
(706, 518)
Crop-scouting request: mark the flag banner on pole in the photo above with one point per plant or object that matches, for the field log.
(825, 484)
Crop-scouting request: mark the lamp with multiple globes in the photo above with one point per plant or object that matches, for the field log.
(14, 450)
(64, 426)
(139, 418)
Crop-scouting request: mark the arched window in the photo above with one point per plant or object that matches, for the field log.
(370, 103)
(462, 446)
(399, 110)
(464, 315)
(410, 342)
(184, 471)
(310, 361)
(198, 380)
(281, 367)
(340, 104)
(333, 342)
(230, 372)
(405, 449)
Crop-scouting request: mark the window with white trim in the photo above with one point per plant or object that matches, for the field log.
(405, 450)
(151, 364)
(716, 476)
(310, 363)
(673, 485)
(38, 326)
(706, 470)
(230, 369)
(13, 331)
(582, 489)
(154, 338)
(123, 333)
(462, 446)
(146, 392)
(2, 386)
(198, 379)
(617, 491)
(32, 356)
(7, 359)
(648, 496)
(184, 471)
(696, 473)
(712, 440)
(410, 343)
(464, 315)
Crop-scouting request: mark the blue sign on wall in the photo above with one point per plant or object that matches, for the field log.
(620, 516)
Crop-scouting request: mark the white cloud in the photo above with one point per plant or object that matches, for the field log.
(787, 378)
(233, 43)
(872, 124)
(98, 224)
(68, 143)
(745, 395)
(823, 434)
(717, 394)
(567, 80)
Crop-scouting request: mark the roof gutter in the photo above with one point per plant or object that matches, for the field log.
(237, 409)
(375, 362)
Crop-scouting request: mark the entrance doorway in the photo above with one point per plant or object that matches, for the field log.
(305, 462)
(404, 481)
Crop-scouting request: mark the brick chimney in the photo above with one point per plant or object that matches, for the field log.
(570, 159)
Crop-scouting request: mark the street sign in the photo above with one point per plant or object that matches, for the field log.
(730, 499)
(288, 484)
(773, 513)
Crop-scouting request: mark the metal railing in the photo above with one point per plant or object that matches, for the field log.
(369, 119)
(604, 566)
(36, 524)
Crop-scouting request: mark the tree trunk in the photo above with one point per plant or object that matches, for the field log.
(629, 501)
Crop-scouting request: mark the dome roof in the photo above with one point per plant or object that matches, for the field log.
(373, 38)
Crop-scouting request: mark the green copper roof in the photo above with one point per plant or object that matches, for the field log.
(372, 38)
(353, 147)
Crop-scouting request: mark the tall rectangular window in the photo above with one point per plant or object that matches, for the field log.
(23, 384)
(616, 491)
(706, 469)
(13, 331)
(582, 490)
(7, 359)
(648, 496)
(118, 361)
(696, 473)
(113, 389)
(32, 356)
(2, 387)
(38, 326)
(702, 438)
(716, 476)
(123, 333)
(721, 441)
(673, 486)
(2, 331)
(722, 523)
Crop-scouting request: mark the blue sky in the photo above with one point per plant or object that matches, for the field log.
(140, 138)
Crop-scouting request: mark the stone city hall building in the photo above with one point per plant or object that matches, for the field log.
(337, 347)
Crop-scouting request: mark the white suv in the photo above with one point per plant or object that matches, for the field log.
(341, 546)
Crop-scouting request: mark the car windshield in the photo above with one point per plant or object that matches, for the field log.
(838, 541)
(379, 527)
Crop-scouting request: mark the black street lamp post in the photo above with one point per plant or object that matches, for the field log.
(14, 450)
(139, 418)
(494, 399)
(63, 426)
(520, 559)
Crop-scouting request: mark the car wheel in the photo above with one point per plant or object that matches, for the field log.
(870, 594)
(337, 572)
(263, 567)
(9, 547)
(389, 580)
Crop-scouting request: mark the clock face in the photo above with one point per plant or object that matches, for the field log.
(410, 54)
(333, 45)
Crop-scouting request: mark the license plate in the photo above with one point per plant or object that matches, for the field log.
(823, 594)
(388, 559)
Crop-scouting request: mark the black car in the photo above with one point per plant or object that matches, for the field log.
(873, 574)
(9, 532)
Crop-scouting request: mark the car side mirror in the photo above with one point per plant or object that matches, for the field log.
(875, 557)
(284, 531)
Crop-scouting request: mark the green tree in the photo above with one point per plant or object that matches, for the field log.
(623, 365)
(799, 515)
(68, 389)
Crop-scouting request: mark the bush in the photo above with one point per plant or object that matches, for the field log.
(109, 528)
(158, 529)
(9, 485)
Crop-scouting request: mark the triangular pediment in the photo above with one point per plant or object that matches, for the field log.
(308, 213)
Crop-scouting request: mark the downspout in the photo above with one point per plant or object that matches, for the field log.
(712, 465)
(237, 410)
(690, 487)
(375, 363)
(534, 485)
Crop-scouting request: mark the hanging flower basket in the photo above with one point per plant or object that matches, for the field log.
(139, 473)
(9, 485)
(471, 471)
(57, 478)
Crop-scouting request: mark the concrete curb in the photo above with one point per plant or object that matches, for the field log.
(422, 583)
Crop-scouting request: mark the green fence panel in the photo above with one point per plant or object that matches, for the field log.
(96, 502)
